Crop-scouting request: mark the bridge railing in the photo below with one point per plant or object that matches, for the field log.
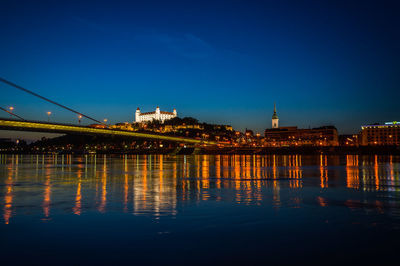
(42, 122)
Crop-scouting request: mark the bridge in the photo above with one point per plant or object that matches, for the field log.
(36, 126)
(20, 124)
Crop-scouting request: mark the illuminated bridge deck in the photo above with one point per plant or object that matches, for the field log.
(35, 126)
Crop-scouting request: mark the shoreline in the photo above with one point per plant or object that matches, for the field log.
(337, 150)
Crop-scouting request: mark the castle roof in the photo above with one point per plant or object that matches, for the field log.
(166, 113)
(148, 113)
(161, 112)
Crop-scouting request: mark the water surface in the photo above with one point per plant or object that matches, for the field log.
(200, 209)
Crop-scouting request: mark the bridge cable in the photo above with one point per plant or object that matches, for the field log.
(48, 100)
(11, 113)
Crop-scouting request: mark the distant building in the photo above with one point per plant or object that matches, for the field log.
(123, 126)
(349, 140)
(156, 115)
(249, 133)
(223, 127)
(293, 136)
(172, 128)
(381, 134)
(275, 119)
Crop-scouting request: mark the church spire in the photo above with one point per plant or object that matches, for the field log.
(274, 116)
(275, 119)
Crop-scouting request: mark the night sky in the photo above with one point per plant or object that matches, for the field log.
(322, 62)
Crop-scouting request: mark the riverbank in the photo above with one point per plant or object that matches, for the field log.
(362, 150)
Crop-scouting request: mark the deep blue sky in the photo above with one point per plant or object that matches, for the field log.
(322, 62)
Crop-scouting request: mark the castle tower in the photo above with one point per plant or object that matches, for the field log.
(275, 119)
(158, 116)
(175, 113)
(137, 115)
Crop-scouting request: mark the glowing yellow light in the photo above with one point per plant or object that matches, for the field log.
(67, 128)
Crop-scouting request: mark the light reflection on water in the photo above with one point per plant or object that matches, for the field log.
(103, 209)
(155, 184)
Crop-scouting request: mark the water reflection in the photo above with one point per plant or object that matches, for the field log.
(8, 198)
(103, 197)
(373, 173)
(155, 184)
(323, 168)
(352, 170)
(78, 197)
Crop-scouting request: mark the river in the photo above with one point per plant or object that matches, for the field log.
(199, 209)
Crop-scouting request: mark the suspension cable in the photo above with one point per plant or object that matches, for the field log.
(11, 113)
(46, 99)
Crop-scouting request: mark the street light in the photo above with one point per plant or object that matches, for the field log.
(11, 109)
(48, 116)
(79, 119)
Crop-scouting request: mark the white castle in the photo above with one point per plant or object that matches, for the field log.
(156, 115)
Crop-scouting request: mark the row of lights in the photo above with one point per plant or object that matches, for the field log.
(49, 113)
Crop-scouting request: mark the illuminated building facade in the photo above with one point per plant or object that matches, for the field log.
(155, 115)
(381, 134)
(349, 140)
(293, 136)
